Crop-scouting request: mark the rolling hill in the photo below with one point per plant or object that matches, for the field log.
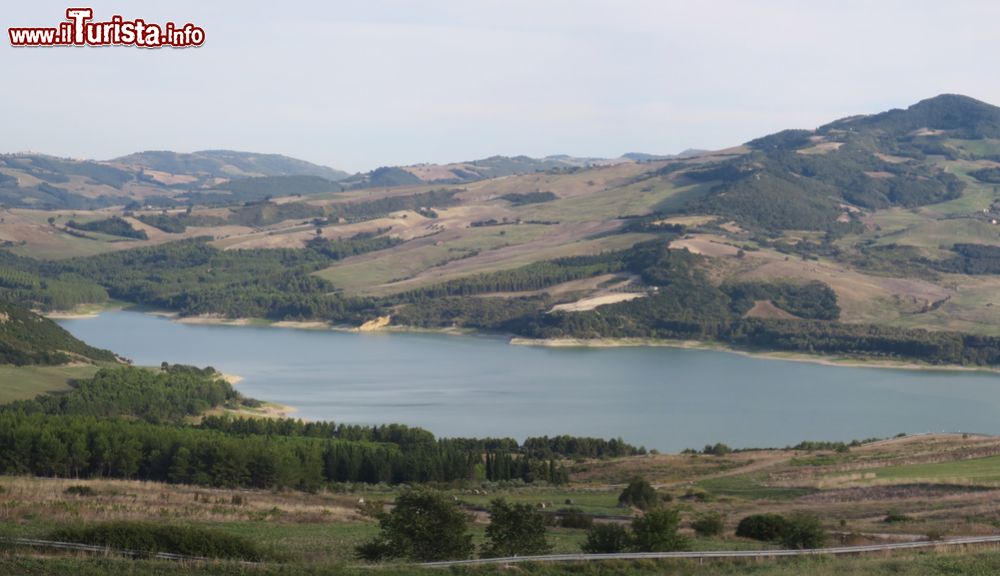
(895, 212)
(159, 178)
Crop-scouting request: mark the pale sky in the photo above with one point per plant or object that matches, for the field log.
(360, 84)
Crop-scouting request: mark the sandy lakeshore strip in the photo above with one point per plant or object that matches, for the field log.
(842, 361)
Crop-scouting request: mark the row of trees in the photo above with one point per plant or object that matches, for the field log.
(427, 526)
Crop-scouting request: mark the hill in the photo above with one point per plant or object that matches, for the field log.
(895, 213)
(476, 170)
(159, 178)
(810, 179)
(227, 164)
(27, 338)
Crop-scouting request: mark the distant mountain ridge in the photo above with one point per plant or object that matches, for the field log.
(227, 164)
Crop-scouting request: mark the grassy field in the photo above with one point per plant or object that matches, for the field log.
(24, 382)
(966, 563)
(980, 471)
(942, 485)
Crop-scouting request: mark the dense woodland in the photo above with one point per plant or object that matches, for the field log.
(27, 338)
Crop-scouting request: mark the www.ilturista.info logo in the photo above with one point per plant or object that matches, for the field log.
(80, 30)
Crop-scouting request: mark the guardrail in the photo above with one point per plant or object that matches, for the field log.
(973, 540)
(78, 547)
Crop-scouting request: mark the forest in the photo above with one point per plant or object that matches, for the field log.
(128, 422)
(27, 338)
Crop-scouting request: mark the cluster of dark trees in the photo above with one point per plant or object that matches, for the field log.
(360, 243)
(167, 395)
(164, 222)
(38, 285)
(520, 199)
(970, 259)
(114, 226)
(988, 175)
(192, 277)
(813, 300)
(178, 223)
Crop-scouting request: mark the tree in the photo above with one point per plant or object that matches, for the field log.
(607, 539)
(656, 531)
(639, 493)
(424, 526)
(514, 530)
(708, 524)
(803, 531)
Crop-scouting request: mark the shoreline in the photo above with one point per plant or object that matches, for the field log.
(317, 325)
(265, 410)
(824, 360)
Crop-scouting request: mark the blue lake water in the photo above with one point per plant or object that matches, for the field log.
(662, 398)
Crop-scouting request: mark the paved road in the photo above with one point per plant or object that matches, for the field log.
(725, 553)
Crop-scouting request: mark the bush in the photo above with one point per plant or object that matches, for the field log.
(896, 516)
(154, 538)
(575, 518)
(607, 539)
(656, 531)
(79, 490)
(708, 524)
(803, 531)
(639, 493)
(717, 449)
(763, 527)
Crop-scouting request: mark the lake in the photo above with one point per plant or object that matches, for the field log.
(663, 398)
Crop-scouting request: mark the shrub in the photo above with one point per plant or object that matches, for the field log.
(708, 524)
(639, 493)
(656, 531)
(607, 539)
(575, 518)
(717, 449)
(152, 538)
(896, 516)
(514, 530)
(803, 531)
(763, 527)
(80, 490)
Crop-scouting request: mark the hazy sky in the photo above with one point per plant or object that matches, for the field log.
(359, 84)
